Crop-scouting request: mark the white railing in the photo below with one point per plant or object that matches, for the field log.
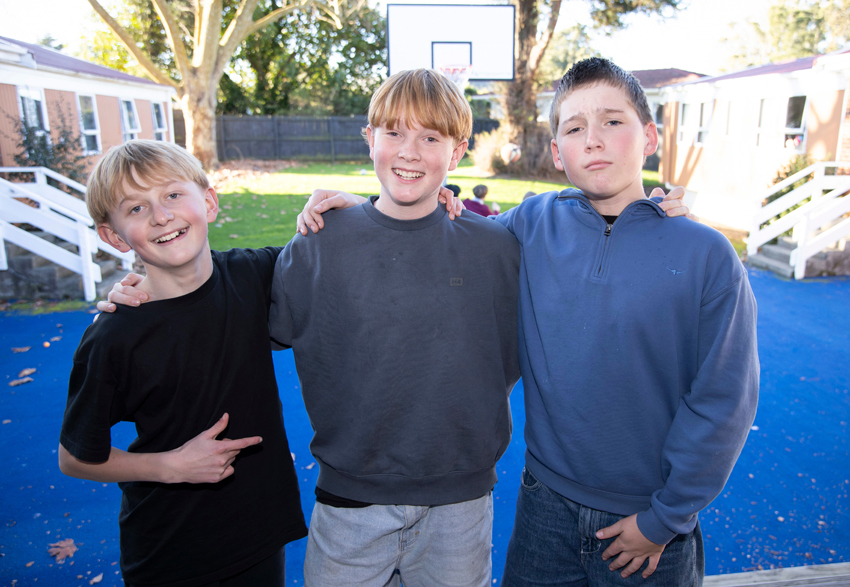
(814, 223)
(59, 214)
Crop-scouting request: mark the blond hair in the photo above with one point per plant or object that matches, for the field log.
(425, 97)
(139, 160)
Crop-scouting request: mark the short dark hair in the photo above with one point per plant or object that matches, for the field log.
(480, 191)
(454, 189)
(592, 71)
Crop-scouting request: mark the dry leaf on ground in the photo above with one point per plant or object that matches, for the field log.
(25, 372)
(20, 349)
(55, 338)
(16, 382)
(96, 579)
(62, 549)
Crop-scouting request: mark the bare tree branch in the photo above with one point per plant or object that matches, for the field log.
(207, 47)
(539, 49)
(173, 34)
(127, 40)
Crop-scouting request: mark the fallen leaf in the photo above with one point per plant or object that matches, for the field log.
(55, 338)
(310, 466)
(96, 579)
(62, 549)
(16, 382)
(7, 421)
(25, 372)
(234, 236)
(20, 349)
(31, 563)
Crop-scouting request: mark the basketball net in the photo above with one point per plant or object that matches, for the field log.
(459, 74)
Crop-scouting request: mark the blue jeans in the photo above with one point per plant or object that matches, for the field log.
(419, 546)
(554, 543)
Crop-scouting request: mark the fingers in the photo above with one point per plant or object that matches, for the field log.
(240, 443)
(677, 193)
(132, 279)
(650, 568)
(218, 427)
(127, 294)
(633, 566)
(104, 306)
(693, 217)
(613, 530)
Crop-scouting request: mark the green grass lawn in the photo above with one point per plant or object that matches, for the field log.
(262, 212)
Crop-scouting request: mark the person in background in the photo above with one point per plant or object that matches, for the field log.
(476, 203)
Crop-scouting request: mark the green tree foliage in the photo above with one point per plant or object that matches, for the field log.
(62, 152)
(567, 47)
(307, 67)
(535, 26)
(794, 29)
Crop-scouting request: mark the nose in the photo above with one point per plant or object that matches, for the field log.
(593, 138)
(409, 150)
(161, 215)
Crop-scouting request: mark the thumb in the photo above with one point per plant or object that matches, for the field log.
(218, 427)
(611, 531)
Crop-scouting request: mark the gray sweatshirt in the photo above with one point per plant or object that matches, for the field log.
(405, 342)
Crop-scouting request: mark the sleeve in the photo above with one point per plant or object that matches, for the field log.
(93, 406)
(714, 417)
(265, 260)
(281, 325)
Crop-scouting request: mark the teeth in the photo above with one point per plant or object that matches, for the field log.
(172, 236)
(408, 174)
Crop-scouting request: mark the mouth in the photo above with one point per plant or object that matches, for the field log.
(596, 165)
(170, 236)
(409, 175)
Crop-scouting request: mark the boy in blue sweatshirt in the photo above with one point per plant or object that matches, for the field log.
(638, 357)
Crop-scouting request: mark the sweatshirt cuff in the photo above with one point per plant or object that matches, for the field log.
(652, 529)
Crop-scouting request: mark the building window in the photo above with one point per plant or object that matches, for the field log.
(795, 128)
(33, 112)
(129, 120)
(760, 130)
(160, 126)
(705, 109)
(89, 130)
(685, 115)
(659, 116)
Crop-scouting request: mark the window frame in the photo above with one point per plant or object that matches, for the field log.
(129, 133)
(801, 131)
(703, 126)
(31, 93)
(160, 133)
(84, 132)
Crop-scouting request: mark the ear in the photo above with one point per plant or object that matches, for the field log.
(457, 154)
(650, 132)
(556, 156)
(112, 238)
(370, 138)
(211, 201)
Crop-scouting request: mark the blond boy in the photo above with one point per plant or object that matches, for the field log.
(403, 325)
(187, 367)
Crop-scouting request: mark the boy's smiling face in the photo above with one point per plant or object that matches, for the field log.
(602, 144)
(411, 163)
(166, 224)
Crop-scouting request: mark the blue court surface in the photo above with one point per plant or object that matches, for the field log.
(785, 505)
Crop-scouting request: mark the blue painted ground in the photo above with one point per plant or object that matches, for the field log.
(786, 503)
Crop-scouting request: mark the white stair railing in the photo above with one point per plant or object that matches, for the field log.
(59, 214)
(813, 223)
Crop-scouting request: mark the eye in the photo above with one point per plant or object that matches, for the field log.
(573, 130)
(173, 196)
(615, 122)
(135, 209)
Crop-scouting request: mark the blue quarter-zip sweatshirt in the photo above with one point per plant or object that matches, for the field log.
(638, 358)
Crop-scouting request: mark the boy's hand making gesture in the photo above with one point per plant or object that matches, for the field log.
(201, 460)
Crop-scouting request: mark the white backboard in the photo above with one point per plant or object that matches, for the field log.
(431, 35)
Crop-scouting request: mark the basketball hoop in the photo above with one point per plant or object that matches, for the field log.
(458, 74)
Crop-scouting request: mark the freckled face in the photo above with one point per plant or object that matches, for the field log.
(411, 163)
(601, 145)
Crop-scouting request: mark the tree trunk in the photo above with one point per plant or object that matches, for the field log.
(199, 112)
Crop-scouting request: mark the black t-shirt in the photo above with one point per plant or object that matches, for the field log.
(173, 367)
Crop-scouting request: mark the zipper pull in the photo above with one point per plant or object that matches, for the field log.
(608, 228)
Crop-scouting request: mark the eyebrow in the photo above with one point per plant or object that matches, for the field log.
(603, 111)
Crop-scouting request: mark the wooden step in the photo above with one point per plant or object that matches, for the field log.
(834, 575)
